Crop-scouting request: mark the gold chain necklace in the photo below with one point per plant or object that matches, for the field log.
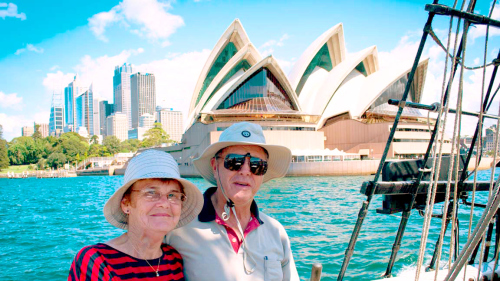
(157, 267)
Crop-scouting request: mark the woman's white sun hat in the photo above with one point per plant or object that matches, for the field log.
(245, 133)
(153, 164)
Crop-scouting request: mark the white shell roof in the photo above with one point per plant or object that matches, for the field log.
(335, 37)
(248, 52)
(272, 64)
(234, 33)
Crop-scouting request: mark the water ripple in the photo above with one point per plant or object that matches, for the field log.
(44, 222)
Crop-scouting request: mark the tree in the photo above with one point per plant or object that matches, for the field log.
(155, 136)
(37, 134)
(94, 139)
(97, 150)
(130, 145)
(112, 144)
(4, 157)
(41, 164)
(71, 144)
(1, 131)
(56, 160)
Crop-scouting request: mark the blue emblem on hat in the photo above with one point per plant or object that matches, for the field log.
(246, 134)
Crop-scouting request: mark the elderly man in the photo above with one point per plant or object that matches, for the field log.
(231, 239)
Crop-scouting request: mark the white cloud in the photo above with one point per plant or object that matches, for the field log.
(54, 67)
(10, 11)
(175, 75)
(149, 18)
(31, 48)
(12, 125)
(55, 82)
(478, 31)
(267, 48)
(100, 21)
(10, 100)
(405, 52)
(176, 78)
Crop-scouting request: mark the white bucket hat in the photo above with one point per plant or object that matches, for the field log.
(152, 164)
(245, 133)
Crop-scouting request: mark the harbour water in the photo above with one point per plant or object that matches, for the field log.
(44, 222)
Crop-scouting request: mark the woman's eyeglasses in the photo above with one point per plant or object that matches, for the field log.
(234, 162)
(153, 195)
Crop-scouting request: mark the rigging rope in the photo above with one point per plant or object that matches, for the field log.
(431, 192)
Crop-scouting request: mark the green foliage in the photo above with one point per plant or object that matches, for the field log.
(130, 145)
(94, 139)
(1, 131)
(4, 156)
(71, 144)
(97, 150)
(37, 134)
(155, 136)
(56, 160)
(41, 164)
(112, 144)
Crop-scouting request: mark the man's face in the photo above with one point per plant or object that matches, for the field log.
(242, 185)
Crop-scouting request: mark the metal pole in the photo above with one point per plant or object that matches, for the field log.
(364, 208)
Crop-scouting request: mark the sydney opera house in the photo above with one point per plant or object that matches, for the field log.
(330, 107)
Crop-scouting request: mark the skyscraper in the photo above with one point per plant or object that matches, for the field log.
(88, 102)
(27, 131)
(143, 94)
(56, 123)
(171, 122)
(73, 90)
(117, 125)
(105, 110)
(96, 117)
(121, 90)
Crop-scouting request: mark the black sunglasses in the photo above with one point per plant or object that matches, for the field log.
(234, 162)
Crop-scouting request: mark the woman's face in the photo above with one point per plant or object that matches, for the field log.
(146, 212)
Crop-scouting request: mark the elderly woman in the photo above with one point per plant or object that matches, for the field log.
(153, 201)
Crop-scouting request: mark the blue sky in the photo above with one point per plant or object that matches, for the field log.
(45, 43)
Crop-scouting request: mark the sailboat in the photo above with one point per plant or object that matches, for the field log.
(443, 178)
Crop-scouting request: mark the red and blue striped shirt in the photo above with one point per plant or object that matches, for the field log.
(101, 262)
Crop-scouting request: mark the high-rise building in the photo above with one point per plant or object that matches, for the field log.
(117, 125)
(84, 112)
(105, 110)
(56, 122)
(73, 90)
(121, 90)
(79, 112)
(27, 131)
(88, 116)
(146, 121)
(171, 122)
(96, 117)
(43, 128)
(143, 96)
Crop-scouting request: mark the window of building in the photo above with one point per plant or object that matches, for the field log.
(241, 65)
(321, 59)
(225, 55)
(395, 91)
(361, 68)
(260, 92)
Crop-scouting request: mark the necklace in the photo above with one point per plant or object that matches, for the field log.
(157, 267)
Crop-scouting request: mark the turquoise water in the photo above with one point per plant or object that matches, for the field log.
(44, 222)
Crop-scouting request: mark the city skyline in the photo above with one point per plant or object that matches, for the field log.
(173, 40)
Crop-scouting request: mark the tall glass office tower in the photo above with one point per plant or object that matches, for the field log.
(121, 90)
(143, 95)
(71, 92)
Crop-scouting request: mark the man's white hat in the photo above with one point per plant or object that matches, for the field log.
(245, 133)
(153, 164)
